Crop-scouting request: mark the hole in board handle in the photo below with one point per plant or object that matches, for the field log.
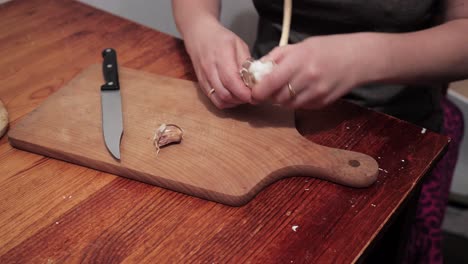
(354, 163)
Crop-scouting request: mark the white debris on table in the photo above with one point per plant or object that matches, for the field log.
(380, 169)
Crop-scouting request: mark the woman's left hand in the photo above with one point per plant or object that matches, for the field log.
(319, 70)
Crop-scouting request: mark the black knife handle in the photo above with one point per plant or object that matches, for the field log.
(110, 70)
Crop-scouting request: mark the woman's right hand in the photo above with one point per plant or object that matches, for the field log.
(217, 54)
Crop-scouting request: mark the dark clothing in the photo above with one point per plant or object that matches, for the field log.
(338, 16)
(418, 104)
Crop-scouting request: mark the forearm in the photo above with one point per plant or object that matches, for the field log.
(190, 13)
(438, 54)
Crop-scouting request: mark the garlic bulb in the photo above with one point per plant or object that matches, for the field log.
(167, 134)
(259, 69)
(253, 71)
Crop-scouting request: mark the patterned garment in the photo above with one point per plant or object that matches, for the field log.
(425, 242)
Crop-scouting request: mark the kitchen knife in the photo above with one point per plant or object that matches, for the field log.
(112, 125)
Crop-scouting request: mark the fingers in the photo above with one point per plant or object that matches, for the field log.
(215, 98)
(242, 54)
(210, 92)
(220, 72)
(276, 55)
(294, 83)
(312, 96)
(230, 79)
(292, 89)
(220, 104)
(220, 97)
(279, 78)
(208, 76)
(287, 94)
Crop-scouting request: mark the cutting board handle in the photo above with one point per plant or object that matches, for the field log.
(336, 165)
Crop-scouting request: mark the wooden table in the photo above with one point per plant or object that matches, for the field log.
(52, 211)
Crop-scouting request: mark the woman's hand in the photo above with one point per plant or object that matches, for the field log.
(319, 70)
(217, 54)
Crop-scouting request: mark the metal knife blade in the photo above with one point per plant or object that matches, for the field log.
(112, 124)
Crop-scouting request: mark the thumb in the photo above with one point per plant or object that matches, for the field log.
(276, 55)
(282, 73)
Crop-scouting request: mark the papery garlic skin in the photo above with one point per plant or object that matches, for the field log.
(259, 69)
(253, 72)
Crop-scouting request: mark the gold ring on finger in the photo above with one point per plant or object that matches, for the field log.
(292, 93)
(211, 92)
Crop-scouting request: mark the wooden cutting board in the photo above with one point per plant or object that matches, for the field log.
(227, 156)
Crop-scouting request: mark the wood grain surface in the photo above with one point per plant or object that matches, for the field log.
(55, 212)
(226, 156)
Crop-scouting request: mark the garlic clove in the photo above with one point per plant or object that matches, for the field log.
(167, 134)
